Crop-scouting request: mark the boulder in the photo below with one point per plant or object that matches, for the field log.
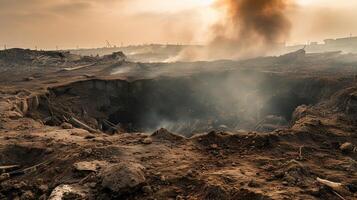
(66, 125)
(123, 177)
(347, 147)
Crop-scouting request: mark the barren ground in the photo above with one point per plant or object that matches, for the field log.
(121, 156)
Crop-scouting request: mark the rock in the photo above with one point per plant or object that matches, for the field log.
(43, 188)
(92, 185)
(215, 192)
(43, 197)
(61, 191)
(92, 166)
(214, 146)
(347, 147)
(147, 140)
(147, 189)
(28, 195)
(123, 177)
(66, 125)
(179, 197)
(13, 115)
(253, 184)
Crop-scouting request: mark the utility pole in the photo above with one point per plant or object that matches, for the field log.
(4, 46)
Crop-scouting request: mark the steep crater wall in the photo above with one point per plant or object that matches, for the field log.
(226, 100)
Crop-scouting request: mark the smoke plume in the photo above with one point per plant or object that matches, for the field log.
(250, 26)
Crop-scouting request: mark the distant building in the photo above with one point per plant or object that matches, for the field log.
(346, 45)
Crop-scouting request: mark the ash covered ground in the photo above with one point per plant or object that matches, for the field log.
(82, 127)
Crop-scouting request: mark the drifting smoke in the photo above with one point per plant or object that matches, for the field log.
(252, 23)
(248, 28)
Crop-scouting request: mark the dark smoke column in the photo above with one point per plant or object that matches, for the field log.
(250, 27)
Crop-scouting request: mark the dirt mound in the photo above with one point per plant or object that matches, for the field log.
(346, 102)
(27, 56)
(165, 135)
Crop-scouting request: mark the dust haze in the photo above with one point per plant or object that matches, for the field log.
(246, 28)
(250, 26)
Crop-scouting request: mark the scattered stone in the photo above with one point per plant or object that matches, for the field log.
(14, 115)
(49, 150)
(88, 151)
(92, 166)
(43, 188)
(162, 178)
(253, 184)
(61, 191)
(215, 192)
(43, 197)
(92, 185)
(28, 195)
(179, 197)
(347, 147)
(123, 177)
(147, 140)
(147, 189)
(66, 125)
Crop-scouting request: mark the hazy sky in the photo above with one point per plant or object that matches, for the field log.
(89, 23)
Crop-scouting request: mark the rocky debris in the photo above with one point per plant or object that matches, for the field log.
(66, 125)
(28, 195)
(294, 173)
(43, 188)
(147, 140)
(347, 147)
(147, 189)
(254, 184)
(13, 115)
(62, 192)
(123, 177)
(163, 134)
(90, 166)
(215, 192)
(27, 56)
(115, 56)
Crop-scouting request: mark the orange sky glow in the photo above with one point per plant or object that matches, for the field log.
(89, 23)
